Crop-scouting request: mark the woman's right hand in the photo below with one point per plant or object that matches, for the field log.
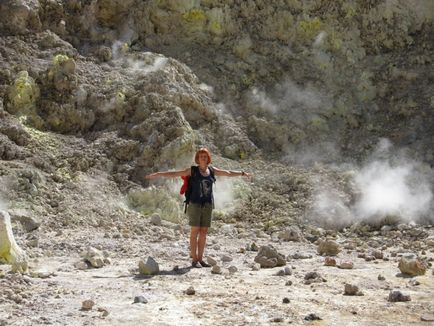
(151, 176)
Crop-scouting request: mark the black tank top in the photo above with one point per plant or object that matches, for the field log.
(201, 187)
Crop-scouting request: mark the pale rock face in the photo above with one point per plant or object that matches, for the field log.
(10, 252)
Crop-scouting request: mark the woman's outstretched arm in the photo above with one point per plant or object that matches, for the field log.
(169, 174)
(230, 173)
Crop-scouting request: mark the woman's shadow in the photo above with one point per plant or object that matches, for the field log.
(175, 271)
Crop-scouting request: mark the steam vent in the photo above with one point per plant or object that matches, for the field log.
(204, 162)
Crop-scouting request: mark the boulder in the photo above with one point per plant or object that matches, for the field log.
(149, 268)
(398, 296)
(95, 257)
(329, 248)
(412, 265)
(10, 252)
(268, 257)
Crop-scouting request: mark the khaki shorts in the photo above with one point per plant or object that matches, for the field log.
(199, 215)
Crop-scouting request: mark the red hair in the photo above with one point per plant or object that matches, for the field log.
(200, 151)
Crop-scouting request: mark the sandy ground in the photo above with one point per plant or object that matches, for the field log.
(245, 297)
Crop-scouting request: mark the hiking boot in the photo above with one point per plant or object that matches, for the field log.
(195, 264)
(204, 264)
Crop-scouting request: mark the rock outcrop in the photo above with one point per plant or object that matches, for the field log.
(10, 252)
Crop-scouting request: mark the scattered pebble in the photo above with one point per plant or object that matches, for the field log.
(286, 300)
(381, 277)
(351, 289)
(312, 317)
(256, 267)
(211, 261)
(427, 317)
(232, 269)
(140, 299)
(330, 261)
(346, 265)
(190, 291)
(277, 319)
(87, 305)
(397, 296)
(216, 269)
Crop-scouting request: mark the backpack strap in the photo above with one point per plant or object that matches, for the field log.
(194, 170)
(193, 174)
(211, 172)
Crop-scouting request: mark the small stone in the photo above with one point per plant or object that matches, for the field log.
(351, 289)
(226, 258)
(287, 270)
(254, 247)
(104, 311)
(377, 254)
(256, 267)
(299, 255)
(155, 219)
(81, 265)
(346, 265)
(397, 296)
(381, 277)
(232, 269)
(288, 283)
(286, 300)
(277, 319)
(190, 291)
(140, 299)
(211, 261)
(330, 261)
(280, 272)
(87, 305)
(216, 269)
(312, 317)
(313, 277)
(369, 258)
(427, 317)
(414, 282)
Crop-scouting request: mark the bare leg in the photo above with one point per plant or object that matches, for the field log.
(193, 242)
(201, 243)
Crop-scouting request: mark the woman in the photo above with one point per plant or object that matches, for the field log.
(201, 203)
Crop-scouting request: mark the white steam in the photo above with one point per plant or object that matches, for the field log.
(388, 188)
(149, 64)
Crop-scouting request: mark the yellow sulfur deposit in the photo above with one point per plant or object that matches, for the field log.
(10, 253)
(23, 94)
